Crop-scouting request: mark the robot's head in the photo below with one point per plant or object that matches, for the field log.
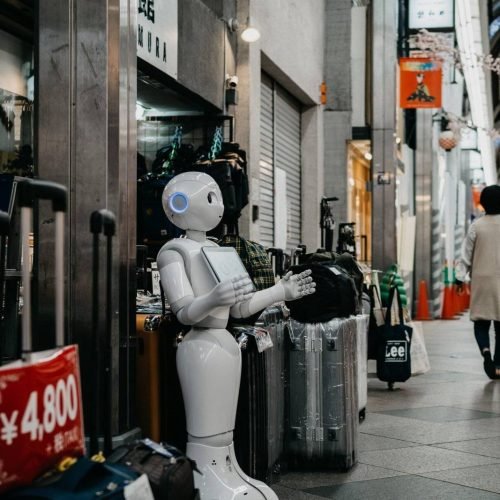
(193, 201)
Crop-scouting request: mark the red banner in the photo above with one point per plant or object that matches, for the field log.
(420, 81)
(41, 419)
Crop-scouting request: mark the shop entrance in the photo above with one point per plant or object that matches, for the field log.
(359, 204)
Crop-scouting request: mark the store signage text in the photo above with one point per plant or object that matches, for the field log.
(157, 34)
(430, 14)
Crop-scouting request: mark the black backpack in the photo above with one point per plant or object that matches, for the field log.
(335, 295)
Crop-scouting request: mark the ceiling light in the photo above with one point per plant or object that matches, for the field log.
(249, 34)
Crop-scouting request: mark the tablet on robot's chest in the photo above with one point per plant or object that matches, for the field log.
(224, 262)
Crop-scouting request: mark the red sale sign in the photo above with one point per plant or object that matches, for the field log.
(41, 419)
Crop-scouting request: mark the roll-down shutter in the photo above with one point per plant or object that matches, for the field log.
(266, 180)
(280, 140)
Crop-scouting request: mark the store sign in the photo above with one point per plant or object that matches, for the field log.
(420, 82)
(383, 178)
(41, 417)
(157, 34)
(431, 14)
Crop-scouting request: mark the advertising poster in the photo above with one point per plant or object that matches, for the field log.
(420, 82)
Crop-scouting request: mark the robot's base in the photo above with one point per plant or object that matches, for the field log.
(222, 477)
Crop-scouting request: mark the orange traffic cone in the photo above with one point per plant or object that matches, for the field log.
(422, 303)
(448, 311)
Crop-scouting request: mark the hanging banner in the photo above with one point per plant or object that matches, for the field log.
(420, 82)
(157, 34)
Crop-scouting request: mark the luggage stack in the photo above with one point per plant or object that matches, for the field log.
(323, 419)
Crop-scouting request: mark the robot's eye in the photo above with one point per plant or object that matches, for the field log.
(209, 197)
(212, 198)
(178, 203)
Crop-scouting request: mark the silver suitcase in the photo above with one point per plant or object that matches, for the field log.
(362, 321)
(323, 419)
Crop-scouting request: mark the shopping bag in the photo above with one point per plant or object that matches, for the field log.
(394, 355)
(41, 419)
(419, 358)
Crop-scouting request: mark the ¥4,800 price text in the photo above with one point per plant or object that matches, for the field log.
(59, 406)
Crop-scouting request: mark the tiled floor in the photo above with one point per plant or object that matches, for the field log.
(436, 437)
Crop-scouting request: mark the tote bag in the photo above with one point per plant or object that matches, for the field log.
(394, 349)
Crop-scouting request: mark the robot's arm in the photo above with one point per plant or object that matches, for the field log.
(189, 309)
(290, 287)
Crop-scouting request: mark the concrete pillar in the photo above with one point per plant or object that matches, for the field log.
(384, 44)
(338, 110)
(427, 219)
(87, 141)
(247, 113)
(312, 175)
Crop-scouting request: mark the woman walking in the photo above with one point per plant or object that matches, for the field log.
(481, 258)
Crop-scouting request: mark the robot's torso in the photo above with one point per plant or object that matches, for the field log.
(199, 278)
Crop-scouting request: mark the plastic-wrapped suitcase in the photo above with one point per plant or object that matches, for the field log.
(259, 430)
(323, 418)
(362, 321)
(272, 319)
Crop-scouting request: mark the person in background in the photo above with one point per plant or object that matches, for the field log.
(481, 258)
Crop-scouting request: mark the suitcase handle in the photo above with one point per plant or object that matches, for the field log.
(102, 222)
(30, 190)
(34, 189)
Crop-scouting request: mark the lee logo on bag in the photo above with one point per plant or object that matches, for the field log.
(396, 351)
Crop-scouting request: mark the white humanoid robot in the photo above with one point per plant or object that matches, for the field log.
(209, 359)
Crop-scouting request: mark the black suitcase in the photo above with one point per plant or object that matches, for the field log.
(260, 428)
(273, 319)
(4, 230)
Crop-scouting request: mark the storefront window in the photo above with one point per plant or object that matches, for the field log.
(16, 105)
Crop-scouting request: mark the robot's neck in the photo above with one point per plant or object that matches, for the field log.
(199, 236)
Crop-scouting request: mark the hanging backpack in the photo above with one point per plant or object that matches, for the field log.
(335, 295)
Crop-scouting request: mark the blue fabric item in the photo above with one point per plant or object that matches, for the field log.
(83, 480)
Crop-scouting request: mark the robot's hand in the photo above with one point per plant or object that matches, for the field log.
(298, 285)
(238, 289)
